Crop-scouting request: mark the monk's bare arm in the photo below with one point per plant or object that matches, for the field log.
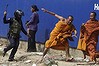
(52, 13)
(75, 32)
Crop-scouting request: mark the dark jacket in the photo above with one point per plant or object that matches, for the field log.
(10, 22)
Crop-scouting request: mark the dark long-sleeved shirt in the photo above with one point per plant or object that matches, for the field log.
(34, 20)
(10, 21)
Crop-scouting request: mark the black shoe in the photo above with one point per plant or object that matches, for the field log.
(4, 52)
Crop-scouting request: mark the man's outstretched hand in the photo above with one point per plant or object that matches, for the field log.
(44, 10)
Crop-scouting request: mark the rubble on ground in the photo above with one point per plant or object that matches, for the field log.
(53, 57)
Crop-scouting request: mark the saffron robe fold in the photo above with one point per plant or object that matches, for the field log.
(59, 35)
(89, 37)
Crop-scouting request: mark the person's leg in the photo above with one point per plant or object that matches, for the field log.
(10, 46)
(31, 41)
(14, 50)
(92, 52)
(44, 53)
(67, 50)
(29, 44)
(84, 53)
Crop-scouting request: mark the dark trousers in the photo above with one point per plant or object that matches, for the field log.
(31, 42)
(14, 43)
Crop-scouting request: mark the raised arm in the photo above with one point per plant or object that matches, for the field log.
(4, 19)
(52, 13)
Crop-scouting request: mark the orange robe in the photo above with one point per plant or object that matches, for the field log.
(59, 35)
(89, 37)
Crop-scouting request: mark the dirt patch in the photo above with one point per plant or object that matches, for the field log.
(53, 57)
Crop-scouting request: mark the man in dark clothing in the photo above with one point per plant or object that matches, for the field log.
(32, 27)
(15, 27)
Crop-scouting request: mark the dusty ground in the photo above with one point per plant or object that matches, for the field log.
(53, 57)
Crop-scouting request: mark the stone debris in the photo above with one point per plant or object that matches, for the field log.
(54, 65)
(78, 59)
(22, 58)
(34, 64)
(86, 60)
(27, 61)
(37, 53)
(32, 53)
(53, 57)
(49, 61)
(4, 65)
(1, 44)
(1, 49)
(14, 64)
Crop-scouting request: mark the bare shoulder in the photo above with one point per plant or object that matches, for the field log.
(63, 19)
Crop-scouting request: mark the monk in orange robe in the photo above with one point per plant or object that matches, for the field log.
(89, 37)
(60, 34)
